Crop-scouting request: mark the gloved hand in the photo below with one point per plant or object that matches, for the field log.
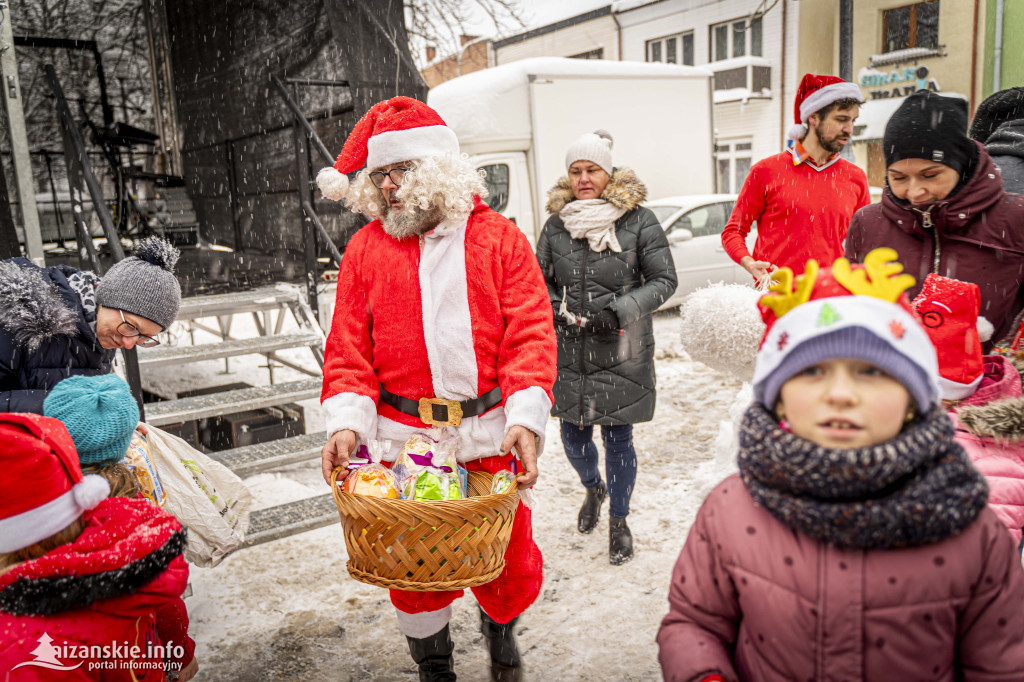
(604, 321)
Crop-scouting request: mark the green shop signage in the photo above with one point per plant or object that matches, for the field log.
(898, 82)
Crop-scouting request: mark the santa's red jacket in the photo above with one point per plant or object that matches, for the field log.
(451, 314)
(106, 606)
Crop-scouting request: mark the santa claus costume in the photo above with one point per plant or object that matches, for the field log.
(458, 314)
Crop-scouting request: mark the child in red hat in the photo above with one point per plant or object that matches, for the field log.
(81, 574)
(983, 392)
(855, 542)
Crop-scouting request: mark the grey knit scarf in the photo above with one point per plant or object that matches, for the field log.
(916, 489)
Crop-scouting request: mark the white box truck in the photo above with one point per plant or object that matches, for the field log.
(516, 121)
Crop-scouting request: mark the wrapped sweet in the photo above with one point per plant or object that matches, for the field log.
(429, 483)
(138, 461)
(373, 479)
(502, 481)
(423, 450)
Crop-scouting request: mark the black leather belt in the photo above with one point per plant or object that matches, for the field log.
(439, 411)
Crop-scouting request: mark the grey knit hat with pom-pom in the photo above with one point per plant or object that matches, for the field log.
(144, 284)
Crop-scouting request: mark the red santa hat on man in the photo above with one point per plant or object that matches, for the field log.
(42, 490)
(398, 129)
(949, 312)
(814, 94)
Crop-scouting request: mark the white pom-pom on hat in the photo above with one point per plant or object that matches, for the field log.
(90, 491)
(985, 329)
(797, 131)
(332, 183)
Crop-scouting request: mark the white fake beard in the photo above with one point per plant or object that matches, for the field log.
(407, 223)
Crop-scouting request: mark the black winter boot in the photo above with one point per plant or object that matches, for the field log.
(434, 656)
(620, 541)
(590, 512)
(501, 643)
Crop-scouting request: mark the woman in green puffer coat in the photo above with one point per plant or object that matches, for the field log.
(607, 265)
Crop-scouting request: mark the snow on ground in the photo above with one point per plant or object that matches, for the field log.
(288, 610)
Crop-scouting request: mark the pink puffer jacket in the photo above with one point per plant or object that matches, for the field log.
(990, 427)
(754, 600)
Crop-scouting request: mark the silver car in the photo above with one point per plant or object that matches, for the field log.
(694, 224)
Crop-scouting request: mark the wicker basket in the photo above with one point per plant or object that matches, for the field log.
(430, 546)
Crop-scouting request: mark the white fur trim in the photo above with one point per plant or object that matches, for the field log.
(395, 146)
(29, 527)
(801, 324)
(985, 329)
(953, 390)
(797, 132)
(822, 97)
(529, 407)
(333, 184)
(90, 491)
(351, 411)
(447, 323)
(425, 624)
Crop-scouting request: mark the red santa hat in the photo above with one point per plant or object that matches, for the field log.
(949, 312)
(814, 94)
(398, 129)
(42, 490)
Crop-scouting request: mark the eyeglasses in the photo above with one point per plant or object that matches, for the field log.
(396, 174)
(129, 330)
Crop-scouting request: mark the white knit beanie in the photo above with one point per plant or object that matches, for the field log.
(595, 147)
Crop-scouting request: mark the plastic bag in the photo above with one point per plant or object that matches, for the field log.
(138, 461)
(373, 479)
(208, 499)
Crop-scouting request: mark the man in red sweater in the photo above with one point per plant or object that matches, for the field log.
(802, 199)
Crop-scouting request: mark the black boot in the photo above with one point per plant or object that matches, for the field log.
(501, 643)
(434, 656)
(590, 512)
(620, 541)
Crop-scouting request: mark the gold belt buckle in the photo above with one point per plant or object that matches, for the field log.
(427, 411)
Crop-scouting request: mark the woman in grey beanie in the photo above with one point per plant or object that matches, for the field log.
(58, 321)
(607, 265)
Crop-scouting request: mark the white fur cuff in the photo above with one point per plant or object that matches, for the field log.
(351, 411)
(529, 407)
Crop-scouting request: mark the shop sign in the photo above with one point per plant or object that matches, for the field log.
(898, 82)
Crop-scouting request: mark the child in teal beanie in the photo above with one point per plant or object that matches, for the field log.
(101, 415)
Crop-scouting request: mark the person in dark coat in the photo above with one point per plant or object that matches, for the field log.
(58, 321)
(944, 210)
(607, 266)
(999, 125)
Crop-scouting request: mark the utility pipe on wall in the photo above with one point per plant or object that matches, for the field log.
(997, 65)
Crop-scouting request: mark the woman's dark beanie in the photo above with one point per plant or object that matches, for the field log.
(930, 126)
(998, 108)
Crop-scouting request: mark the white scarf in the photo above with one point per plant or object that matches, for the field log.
(593, 220)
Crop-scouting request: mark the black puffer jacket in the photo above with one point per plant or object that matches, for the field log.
(44, 334)
(607, 377)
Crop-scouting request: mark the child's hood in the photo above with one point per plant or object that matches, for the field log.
(128, 557)
(996, 409)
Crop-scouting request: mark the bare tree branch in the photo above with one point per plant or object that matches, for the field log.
(441, 23)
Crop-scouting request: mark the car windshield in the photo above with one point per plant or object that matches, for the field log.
(662, 213)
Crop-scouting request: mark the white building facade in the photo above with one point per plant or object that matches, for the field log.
(753, 58)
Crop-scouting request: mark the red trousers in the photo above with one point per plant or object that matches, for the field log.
(510, 593)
